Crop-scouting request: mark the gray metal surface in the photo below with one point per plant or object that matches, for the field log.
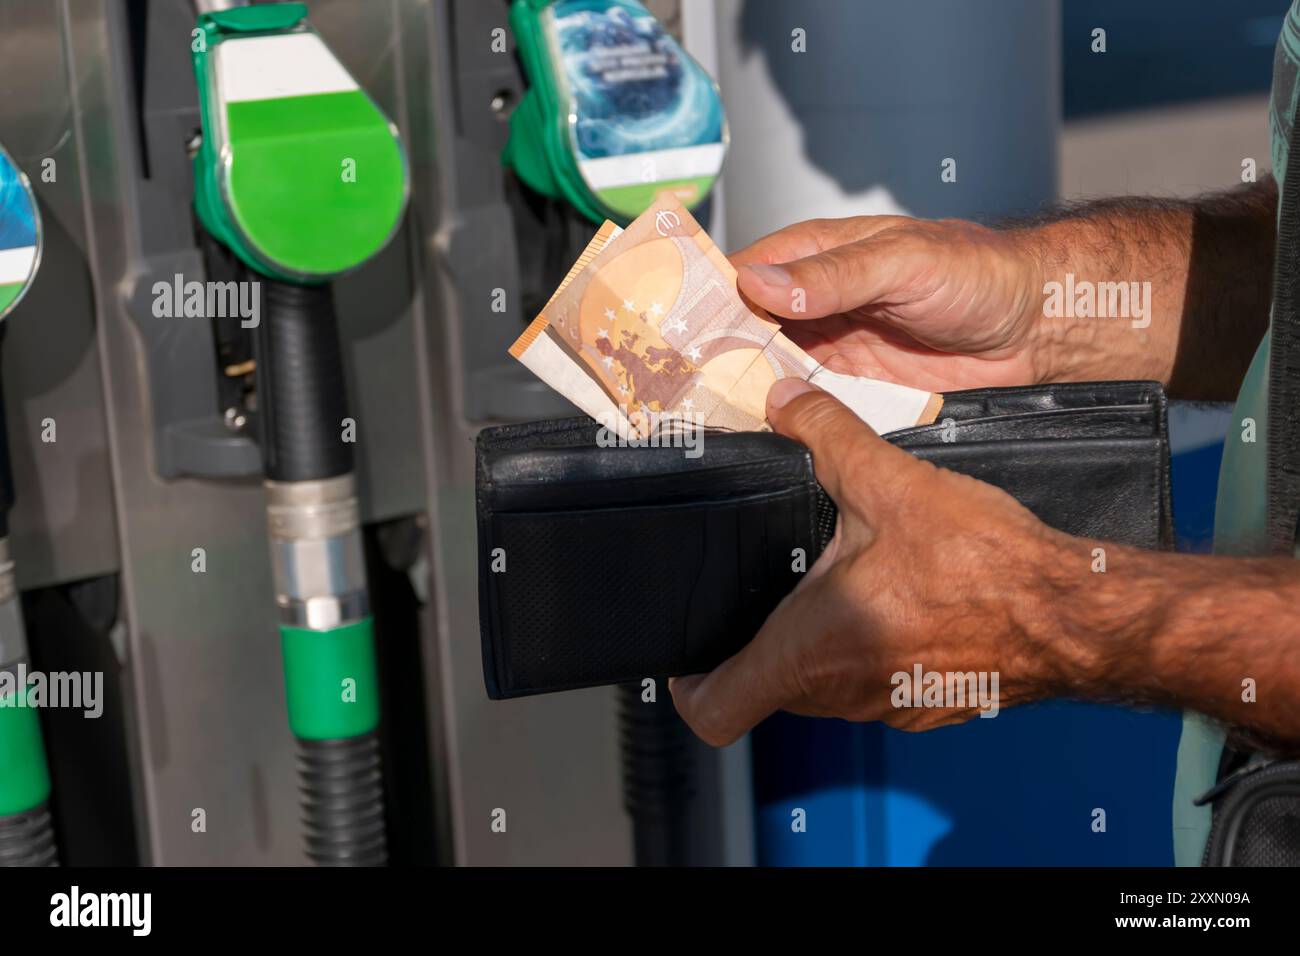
(61, 526)
(551, 763)
(206, 706)
(426, 368)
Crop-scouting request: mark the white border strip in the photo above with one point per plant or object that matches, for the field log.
(274, 67)
(686, 162)
(16, 264)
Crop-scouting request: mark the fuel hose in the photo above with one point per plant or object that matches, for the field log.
(26, 831)
(326, 630)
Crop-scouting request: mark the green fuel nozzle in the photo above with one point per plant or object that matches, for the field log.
(615, 113)
(304, 178)
(299, 172)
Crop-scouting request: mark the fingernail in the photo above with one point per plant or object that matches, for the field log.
(786, 389)
(769, 275)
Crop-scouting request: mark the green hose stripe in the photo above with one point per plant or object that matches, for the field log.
(330, 680)
(24, 778)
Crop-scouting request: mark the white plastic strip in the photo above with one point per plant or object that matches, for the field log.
(273, 67)
(659, 166)
(16, 264)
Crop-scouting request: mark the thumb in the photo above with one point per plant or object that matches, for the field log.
(729, 701)
(827, 283)
(846, 452)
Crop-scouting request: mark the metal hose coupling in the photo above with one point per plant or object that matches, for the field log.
(316, 554)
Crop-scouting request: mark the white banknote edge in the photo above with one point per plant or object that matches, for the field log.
(884, 406)
(553, 366)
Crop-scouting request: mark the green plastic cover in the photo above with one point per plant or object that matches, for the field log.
(331, 681)
(616, 111)
(24, 778)
(299, 172)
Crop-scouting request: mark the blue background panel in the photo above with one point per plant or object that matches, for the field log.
(1016, 789)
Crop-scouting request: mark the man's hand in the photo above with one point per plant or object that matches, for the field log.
(948, 305)
(926, 567)
(935, 305)
(931, 568)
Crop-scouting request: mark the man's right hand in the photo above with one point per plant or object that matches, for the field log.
(946, 304)
(937, 305)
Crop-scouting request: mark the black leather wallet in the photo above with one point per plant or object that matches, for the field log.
(599, 565)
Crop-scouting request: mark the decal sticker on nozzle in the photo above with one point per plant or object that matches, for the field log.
(20, 234)
(643, 117)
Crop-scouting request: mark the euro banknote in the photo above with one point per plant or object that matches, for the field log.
(647, 330)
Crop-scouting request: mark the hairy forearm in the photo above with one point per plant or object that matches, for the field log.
(1197, 275)
(1217, 635)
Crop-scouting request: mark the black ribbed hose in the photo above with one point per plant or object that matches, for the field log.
(343, 801)
(302, 396)
(27, 839)
(658, 777)
(301, 389)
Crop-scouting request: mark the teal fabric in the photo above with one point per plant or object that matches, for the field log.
(1239, 528)
(1241, 511)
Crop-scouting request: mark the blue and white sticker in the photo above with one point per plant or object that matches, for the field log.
(643, 116)
(20, 234)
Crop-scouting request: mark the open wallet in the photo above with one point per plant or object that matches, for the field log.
(600, 565)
